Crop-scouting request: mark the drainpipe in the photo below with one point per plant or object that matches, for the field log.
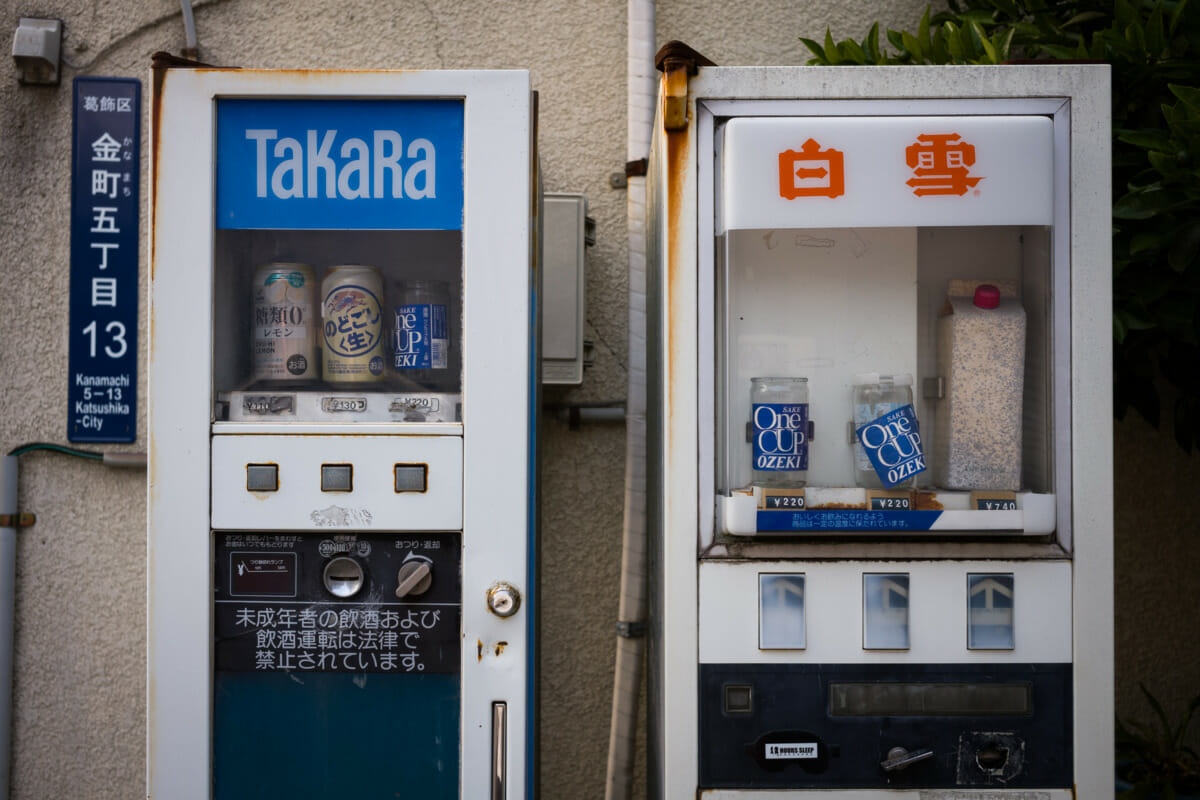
(8, 579)
(631, 643)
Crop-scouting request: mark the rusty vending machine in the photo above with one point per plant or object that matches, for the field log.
(342, 394)
(880, 433)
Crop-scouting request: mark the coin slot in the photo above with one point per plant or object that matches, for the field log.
(343, 577)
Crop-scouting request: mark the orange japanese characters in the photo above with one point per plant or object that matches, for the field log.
(812, 172)
(940, 164)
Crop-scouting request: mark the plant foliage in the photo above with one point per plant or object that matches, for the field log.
(1156, 759)
(1154, 49)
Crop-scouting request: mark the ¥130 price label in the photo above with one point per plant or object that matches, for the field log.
(105, 161)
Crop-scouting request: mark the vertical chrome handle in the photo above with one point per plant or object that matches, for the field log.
(499, 750)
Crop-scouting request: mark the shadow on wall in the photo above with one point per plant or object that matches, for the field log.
(1157, 564)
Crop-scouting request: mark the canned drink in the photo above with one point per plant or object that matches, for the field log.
(286, 341)
(352, 316)
(779, 415)
(420, 331)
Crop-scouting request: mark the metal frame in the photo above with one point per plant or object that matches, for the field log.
(496, 433)
(682, 224)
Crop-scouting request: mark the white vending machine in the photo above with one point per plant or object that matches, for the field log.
(880, 446)
(342, 405)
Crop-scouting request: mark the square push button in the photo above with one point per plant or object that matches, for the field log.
(739, 699)
(337, 477)
(411, 477)
(262, 477)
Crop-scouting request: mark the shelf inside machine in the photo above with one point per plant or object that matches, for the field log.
(821, 510)
(334, 405)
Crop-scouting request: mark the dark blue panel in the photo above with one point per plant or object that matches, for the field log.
(105, 159)
(785, 734)
(846, 519)
(315, 736)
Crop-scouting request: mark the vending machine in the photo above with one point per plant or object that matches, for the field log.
(342, 396)
(881, 457)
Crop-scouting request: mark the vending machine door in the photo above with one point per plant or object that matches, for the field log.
(341, 508)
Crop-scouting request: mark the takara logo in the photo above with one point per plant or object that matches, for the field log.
(289, 168)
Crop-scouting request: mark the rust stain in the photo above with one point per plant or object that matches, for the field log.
(500, 647)
(925, 501)
(479, 649)
(678, 148)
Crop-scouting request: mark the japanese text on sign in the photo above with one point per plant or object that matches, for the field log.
(102, 381)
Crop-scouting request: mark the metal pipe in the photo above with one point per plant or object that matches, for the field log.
(641, 86)
(191, 48)
(8, 580)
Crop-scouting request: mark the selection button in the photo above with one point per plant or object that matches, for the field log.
(262, 477)
(337, 477)
(412, 477)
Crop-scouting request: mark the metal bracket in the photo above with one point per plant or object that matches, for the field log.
(21, 520)
(631, 630)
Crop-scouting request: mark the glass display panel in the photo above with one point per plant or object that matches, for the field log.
(338, 274)
(990, 600)
(930, 699)
(781, 612)
(885, 611)
(835, 305)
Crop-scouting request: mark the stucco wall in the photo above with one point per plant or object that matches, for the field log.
(80, 677)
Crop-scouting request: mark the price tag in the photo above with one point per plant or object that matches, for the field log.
(994, 501)
(889, 501)
(790, 499)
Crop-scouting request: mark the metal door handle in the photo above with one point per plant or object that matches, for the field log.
(899, 758)
(499, 750)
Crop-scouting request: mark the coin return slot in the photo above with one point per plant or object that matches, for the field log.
(337, 477)
(412, 477)
(262, 477)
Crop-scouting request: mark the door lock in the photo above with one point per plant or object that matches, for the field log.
(503, 600)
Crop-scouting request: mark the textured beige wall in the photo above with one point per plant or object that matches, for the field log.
(79, 689)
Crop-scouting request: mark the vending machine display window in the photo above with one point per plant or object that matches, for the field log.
(902, 270)
(325, 312)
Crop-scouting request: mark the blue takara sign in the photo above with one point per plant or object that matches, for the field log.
(340, 164)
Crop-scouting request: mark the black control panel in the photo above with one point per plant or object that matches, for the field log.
(337, 603)
(885, 726)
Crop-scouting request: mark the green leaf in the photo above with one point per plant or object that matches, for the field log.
(923, 40)
(955, 42)
(896, 38)
(831, 51)
(1190, 95)
(852, 53)
(988, 48)
(870, 44)
(1147, 139)
(913, 46)
(816, 49)
(1002, 42)
(1144, 242)
(1145, 203)
(1185, 247)
(1156, 37)
(1086, 16)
